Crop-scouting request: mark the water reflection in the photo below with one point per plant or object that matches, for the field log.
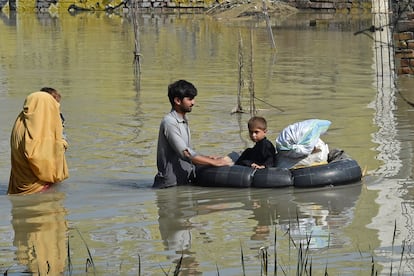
(323, 211)
(8, 20)
(388, 146)
(188, 216)
(176, 209)
(113, 116)
(40, 232)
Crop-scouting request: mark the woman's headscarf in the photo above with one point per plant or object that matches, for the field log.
(37, 146)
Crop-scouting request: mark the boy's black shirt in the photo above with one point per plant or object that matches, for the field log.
(263, 153)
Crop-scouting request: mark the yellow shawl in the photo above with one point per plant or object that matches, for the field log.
(37, 146)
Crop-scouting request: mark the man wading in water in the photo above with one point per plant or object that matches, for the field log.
(176, 159)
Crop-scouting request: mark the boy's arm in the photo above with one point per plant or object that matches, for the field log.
(270, 155)
(244, 159)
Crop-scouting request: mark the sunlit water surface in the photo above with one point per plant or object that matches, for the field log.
(107, 213)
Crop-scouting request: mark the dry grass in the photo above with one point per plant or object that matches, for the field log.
(246, 10)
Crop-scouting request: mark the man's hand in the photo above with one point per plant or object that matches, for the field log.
(255, 166)
(227, 161)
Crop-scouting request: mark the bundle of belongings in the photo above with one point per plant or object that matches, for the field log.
(299, 144)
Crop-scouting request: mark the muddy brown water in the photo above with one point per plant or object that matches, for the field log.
(107, 205)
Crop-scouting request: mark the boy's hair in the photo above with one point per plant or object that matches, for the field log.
(257, 122)
(181, 89)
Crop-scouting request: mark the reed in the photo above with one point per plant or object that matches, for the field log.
(241, 81)
(263, 256)
(251, 79)
(239, 108)
(70, 266)
(268, 25)
(139, 264)
(165, 272)
(300, 265)
(242, 260)
(178, 266)
(89, 260)
(135, 23)
(274, 249)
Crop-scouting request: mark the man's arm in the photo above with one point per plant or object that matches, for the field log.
(206, 160)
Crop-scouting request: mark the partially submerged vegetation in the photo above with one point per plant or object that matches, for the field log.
(270, 262)
(246, 9)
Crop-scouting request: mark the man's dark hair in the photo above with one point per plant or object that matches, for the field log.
(181, 89)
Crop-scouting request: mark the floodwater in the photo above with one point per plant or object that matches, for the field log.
(106, 220)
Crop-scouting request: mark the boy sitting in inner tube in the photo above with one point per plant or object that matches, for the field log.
(263, 154)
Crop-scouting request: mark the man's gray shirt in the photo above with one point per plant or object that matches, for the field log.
(174, 137)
